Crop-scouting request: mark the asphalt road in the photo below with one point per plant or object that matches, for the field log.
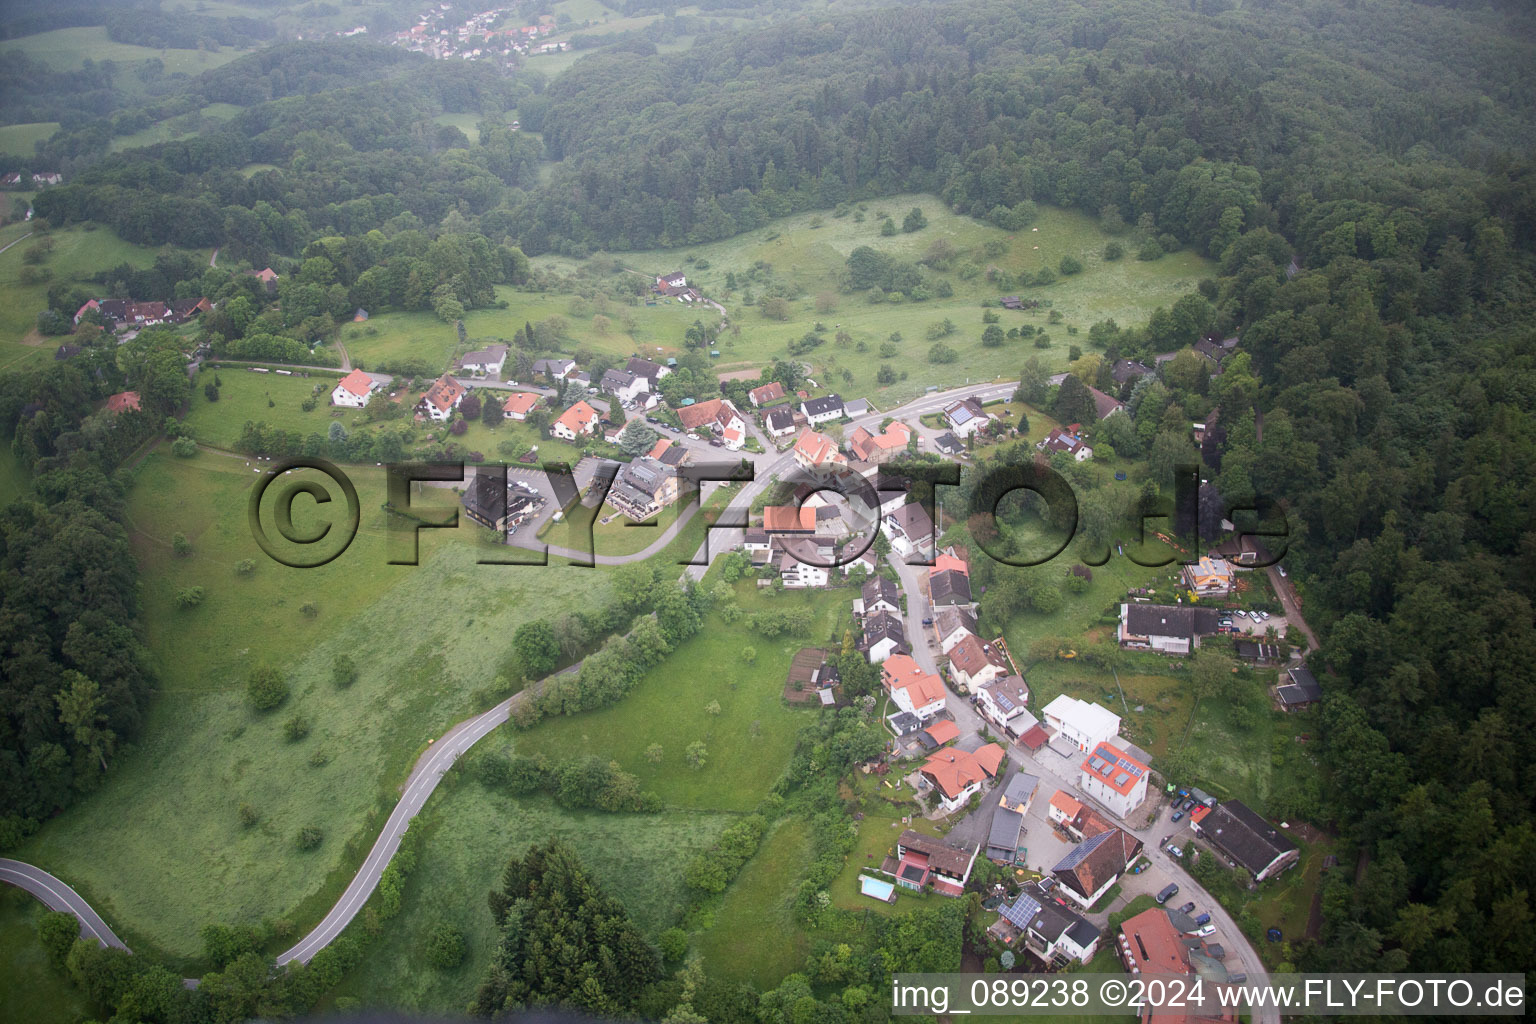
(57, 896)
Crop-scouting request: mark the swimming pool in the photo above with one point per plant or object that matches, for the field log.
(876, 889)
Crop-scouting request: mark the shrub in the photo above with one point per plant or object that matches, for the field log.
(1113, 251)
(245, 567)
(309, 609)
(309, 837)
(445, 947)
(296, 728)
(180, 544)
(266, 688)
(1070, 265)
(942, 353)
(343, 671)
(319, 759)
(183, 447)
(248, 816)
(189, 597)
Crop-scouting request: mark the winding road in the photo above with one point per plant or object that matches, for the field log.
(56, 895)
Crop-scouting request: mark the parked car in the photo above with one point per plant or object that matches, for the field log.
(1209, 929)
(927, 622)
(1264, 616)
(1216, 951)
(1168, 893)
(715, 442)
(1188, 805)
(1176, 851)
(1240, 613)
(1237, 979)
(1187, 908)
(1282, 572)
(1203, 920)
(1178, 815)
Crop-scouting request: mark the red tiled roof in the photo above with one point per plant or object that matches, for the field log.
(815, 448)
(767, 393)
(123, 401)
(1035, 737)
(783, 518)
(942, 732)
(520, 402)
(357, 382)
(900, 672)
(578, 418)
(953, 770)
(444, 394)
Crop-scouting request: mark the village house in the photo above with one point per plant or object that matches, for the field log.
(817, 454)
(802, 563)
(881, 595)
(579, 420)
(1152, 948)
(770, 392)
(883, 636)
(1167, 629)
(491, 503)
(1069, 441)
(958, 775)
(651, 371)
(910, 531)
(1126, 370)
(966, 416)
(951, 625)
(1301, 692)
(519, 404)
(1003, 699)
(1209, 577)
(1086, 873)
(676, 279)
(949, 587)
(1055, 934)
(441, 399)
(780, 421)
(1013, 799)
(878, 448)
(717, 416)
(973, 663)
(1114, 779)
(1243, 835)
(822, 410)
(1104, 405)
(354, 390)
(643, 488)
(624, 386)
(1081, 723)
(487, 361)
(268, 278)
(755, 545)
(554, 370)
(912, 690)
(923, 861)
(1074, 818)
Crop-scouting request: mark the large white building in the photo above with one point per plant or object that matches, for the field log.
(1114, 779)
(1085, 725)
(353, 390)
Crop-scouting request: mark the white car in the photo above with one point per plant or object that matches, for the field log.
(1207, 930)
(1264, 616)
(1282, 572)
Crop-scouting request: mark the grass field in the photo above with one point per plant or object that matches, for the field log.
(21, 139)
(30, 989)
(14, 478)
(428, 642)
(64, 49)
(175, 127)
(468, 836)
(878, 832)
(244, 394)
(756, 905)
(466, 123)
(749, 741)
(809, 258)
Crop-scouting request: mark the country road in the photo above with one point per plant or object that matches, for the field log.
(18, 241)
(57, 896)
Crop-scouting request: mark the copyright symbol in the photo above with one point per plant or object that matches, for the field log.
(1113, 992)
(283, 513)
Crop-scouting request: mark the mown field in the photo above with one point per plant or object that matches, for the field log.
(757, 905)
(428, 642)
(175, 127)
(244, 394)
(65, 48)
(21, 139)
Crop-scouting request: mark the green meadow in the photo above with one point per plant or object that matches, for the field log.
(65, 48)
(21, 139)
(30, 989)
(758, 904)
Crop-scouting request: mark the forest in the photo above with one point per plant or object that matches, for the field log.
(1362, 174)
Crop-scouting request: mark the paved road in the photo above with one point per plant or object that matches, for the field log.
(58, 896)
(18, 241)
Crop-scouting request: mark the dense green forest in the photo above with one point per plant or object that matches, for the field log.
(1363, 173)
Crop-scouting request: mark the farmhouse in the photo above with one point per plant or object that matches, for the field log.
(1209, 577)
(577, 421)
(909, 530)
(1083, 724)
(770, 392)
(1168, 629)
(822, 410)
(878, 448)
(441, 399)
(353, 390)
(1086, 873)
(958, 775)
(923, 861)
(1003, 700)
(973, 663)
(913, 690)
(1053, 933)
(966, 416)
(519, 404)
(486, 361)
(1243, 835)
(676, 279)
(1114, 779)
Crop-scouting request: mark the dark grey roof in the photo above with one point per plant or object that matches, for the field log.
(1187, 621)
(1004, 834)
(914, 522)
(645, 368)
(1306, 682)
(615, 379)
(780, 417)
(949, 619)
(879, 588)
(1126, 369)
(948, 443)
(1083, 932)
(950, 587)
(1245, 835)
(883, 626)
(905, 722)
(486, 496)
(823, 405)
(964, 411)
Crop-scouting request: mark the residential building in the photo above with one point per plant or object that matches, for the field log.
(643, 488)
(817, 454)
(1126, 370)
(1067, 440)
(579, 420)
(881, 595)
(1152, 948)
(1082, 724)
(554, 370)
(789, 519)
(1245, 837)
(676, 279)
(1167, 629)
(949, 588)
(1114, 779)
(948, 444)
(923, 861)
(822, 410)
(518, 404)
(755, 544)
(669, 453)
(353, 390)
(651, 371)
(966, 416)
(770, 392)
(622, 385)
(912, 690)
(487, 361)
(973, 663)
(1301, 692)
(798, 564)
(951, 625)
(1105, 405)
(1086, 873)
(1013, 800)
(123, 401)
(1003, 700)
(441, 399)
(878, 448)
(779, 421)
(1055, 934)
(719, 417)
(884, 636)
(491, 503)
(958, 775)
(910, 531)
(1074, 818)
(1209, 577)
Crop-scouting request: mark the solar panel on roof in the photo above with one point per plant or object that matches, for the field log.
(1023, 909)
(1002, 700)
(1082, 850)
